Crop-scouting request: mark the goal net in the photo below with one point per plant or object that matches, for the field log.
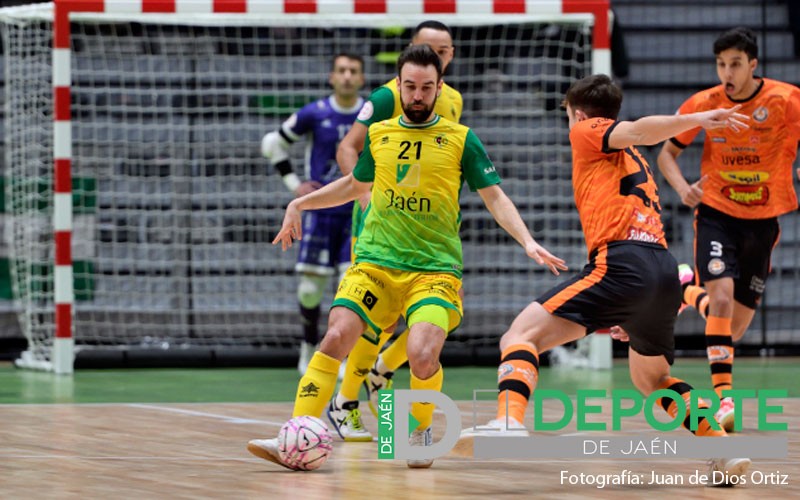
(173, 209)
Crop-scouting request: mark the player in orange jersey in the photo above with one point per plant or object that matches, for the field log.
(745, 184)
(631, 279)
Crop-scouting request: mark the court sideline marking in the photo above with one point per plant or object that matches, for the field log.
(194, 413)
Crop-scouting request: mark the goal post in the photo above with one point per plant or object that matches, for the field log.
(138, 210)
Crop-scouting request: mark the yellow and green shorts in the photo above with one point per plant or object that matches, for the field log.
(379, 295)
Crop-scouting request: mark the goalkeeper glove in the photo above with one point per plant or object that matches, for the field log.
(274, 147)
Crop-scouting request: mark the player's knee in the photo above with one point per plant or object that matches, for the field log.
(421, 359)
(336, 342)
(721, 297)
(431, 324)
(423, 362)
(721, 300)
(310, 290)
(513, 337)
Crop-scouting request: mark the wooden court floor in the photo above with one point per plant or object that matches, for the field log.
(194, 451)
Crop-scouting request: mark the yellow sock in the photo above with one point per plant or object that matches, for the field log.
(316, 387)
(359, 362)
(423, 412)
(395, 355)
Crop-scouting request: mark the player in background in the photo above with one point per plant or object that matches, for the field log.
(364, 361)
(745, 184)
(408, 256)
(326, 249)
(631, 279)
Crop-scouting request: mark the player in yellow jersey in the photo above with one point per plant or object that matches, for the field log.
(364, 361)
(408, 258)
(745, 185)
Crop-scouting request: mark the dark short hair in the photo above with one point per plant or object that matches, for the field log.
(740, 38)
(421, 55)
(434, 25)
(595, 95)
(348, 55)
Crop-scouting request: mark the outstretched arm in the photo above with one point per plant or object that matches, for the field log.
(334, 194)
(654, 129)
(505, 213)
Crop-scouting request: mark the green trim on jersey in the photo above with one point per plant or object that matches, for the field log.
(385, 102)
(427, 124)
(417, 173)
(349, 304)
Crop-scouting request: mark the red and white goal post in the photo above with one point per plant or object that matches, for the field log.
(138, 209)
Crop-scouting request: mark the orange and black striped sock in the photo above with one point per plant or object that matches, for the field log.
(516, 379)
(696, 297)
(671, 407)
(719, 349)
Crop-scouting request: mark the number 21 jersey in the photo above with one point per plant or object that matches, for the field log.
(417, 171)
(615, 193)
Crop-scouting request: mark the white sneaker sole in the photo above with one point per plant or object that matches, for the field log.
(727, 421)
(739, 466)
(265, 454)
(358, 439)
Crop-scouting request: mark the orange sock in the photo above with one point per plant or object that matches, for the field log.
(696, 297)
(719, 343)
(516, 379)
(671, 407)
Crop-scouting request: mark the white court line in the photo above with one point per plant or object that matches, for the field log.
(57, 405)
(80, 405)
(193, 413)
(79, 457)
(760, 463)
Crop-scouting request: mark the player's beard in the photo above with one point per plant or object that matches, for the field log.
(418, 115)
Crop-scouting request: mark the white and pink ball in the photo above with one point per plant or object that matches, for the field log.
(304, 443)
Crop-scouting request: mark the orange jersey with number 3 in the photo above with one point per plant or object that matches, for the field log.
(615, 193)
(749, 172)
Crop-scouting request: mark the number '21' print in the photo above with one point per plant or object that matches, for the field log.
(629, 185)
(406, 145)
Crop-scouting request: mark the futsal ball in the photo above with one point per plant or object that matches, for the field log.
(304, 443)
